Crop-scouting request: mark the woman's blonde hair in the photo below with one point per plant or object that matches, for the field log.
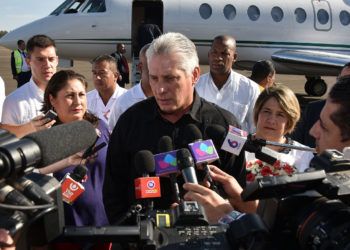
(286, 99)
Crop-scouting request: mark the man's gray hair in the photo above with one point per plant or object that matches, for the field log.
(175, 43)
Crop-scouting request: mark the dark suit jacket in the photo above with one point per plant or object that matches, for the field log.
(309, 116)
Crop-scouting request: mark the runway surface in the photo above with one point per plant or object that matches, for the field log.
(296, 83)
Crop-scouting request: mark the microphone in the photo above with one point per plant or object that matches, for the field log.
(45, 147)
(165, 144)
(165, 163)
(32, 190)
(71, 184)
(186, 165)
(9, 195)
(146, 187)
(203, 152)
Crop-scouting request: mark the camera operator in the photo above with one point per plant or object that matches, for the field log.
(331, 131)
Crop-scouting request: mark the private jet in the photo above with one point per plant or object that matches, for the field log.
(304, 37)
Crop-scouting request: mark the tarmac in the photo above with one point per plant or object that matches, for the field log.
(295, 82)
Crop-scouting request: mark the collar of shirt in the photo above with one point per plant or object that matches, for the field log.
(193, 112)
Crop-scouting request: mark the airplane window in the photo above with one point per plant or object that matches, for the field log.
(205, 10)
(344, 17)
(322, 16)
(74, 7)
(229, 12)
(253, 12)
(300, 15)
(61, 7)
(95, 6)
(277, 14)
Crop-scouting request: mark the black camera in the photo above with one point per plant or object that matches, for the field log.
(307, 210)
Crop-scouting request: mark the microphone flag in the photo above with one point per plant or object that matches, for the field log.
(147, 187)
(235, 140)
(71, 189)
(203, 151)
(165, 163)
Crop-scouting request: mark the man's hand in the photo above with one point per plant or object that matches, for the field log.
(214, 205)
(233, 190)
(6, 241)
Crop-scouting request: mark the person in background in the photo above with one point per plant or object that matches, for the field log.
(106, 92)
(2, 94)
(36, 124)
(19, 67)
(25, 103)
(311, 114)
(122, 64)
(173, 66)
(276, 113)
(226, 88)
(264, 74)
(66, 95)
(136, 94)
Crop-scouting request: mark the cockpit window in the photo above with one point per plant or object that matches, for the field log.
(74, 7)
(59, 9)
(95, 6)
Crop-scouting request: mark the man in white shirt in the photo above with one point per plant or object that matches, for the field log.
(226, 88)
(136, 94)
(2, 94)
(25, 103)
(106, 92)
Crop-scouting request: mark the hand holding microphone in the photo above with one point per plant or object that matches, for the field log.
(71, 184)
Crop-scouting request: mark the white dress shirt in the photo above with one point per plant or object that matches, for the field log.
(23, 104)
(96, 105)
(2, 94)
(238, 95)
(132, 96)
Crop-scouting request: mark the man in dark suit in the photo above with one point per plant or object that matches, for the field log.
(122, 64)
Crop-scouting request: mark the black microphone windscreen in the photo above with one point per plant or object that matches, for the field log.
(63, 140)
(184, 159)
(165, 144)
(217, 133)
(192, 133)
(144, 162)
(79, 173)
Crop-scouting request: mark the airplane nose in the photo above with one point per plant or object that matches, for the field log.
(8, 41)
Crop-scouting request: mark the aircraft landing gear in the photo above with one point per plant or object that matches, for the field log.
(315, 86)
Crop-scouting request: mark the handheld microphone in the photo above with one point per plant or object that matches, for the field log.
(203, 152)
(165, 144)
(146, 187)
(32, 190)
(71, 184)
(186, 165)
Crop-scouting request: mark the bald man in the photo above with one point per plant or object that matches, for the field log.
(226, 88)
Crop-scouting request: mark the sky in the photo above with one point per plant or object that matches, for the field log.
(15, 13)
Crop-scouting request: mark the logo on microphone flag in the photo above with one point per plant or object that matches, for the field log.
(203, 151)
(234, 141)
(71, 189)
(165, 163)
(147, 187)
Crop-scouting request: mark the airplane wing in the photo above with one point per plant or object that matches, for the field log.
(311, 58)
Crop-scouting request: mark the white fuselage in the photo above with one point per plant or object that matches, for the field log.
(85, 35)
